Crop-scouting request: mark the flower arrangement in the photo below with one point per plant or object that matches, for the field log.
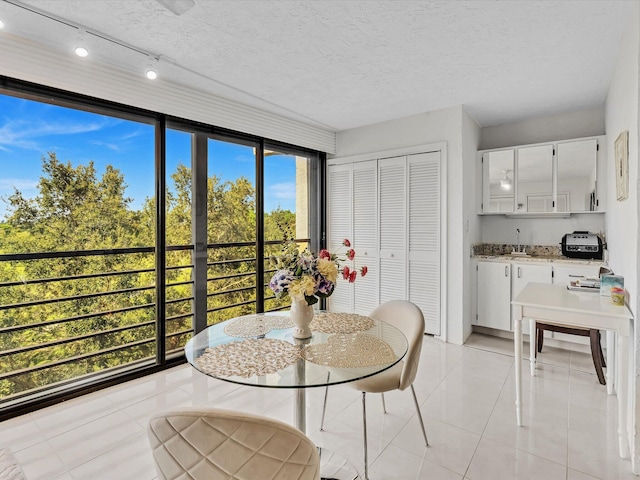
(301, 274)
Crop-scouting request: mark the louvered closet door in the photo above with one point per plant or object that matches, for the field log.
(424, 237)
(340, 222)
(365, 234)
(392, 198)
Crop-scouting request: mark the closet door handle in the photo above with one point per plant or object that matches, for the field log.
(519, 272)
(506, 271)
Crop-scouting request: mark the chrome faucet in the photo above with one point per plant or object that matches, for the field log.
(518, 239)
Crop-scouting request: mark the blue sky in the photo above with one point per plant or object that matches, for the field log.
(28, 130)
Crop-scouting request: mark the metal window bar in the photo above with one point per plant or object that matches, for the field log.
(126, 251)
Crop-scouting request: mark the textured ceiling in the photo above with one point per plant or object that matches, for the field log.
(343, 64)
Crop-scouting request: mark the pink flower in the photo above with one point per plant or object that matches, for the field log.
(352, 276)
(346, 242)
(345, 273)
(324, 253)
(351, 253)
(363, 271)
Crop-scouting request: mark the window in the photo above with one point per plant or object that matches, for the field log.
(98, 284)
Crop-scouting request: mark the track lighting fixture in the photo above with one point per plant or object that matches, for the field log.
(80, 49)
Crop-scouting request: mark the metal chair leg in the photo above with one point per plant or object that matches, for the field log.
(324, 405)
(415, 400)
(364, 423)
(384, 406)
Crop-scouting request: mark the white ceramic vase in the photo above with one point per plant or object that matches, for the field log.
(301, 316)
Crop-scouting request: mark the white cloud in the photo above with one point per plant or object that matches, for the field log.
(19, 183)
(24, 133)
(283, 191)
(110, 146)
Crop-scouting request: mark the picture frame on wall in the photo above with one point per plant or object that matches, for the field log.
(621, 150)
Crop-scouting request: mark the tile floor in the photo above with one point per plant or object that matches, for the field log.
(467, 400)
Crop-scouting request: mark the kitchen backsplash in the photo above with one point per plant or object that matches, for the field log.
(505, 248)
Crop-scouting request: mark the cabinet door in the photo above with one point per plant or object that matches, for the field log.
(365, 235)
(340, 222)
(498, 179)
(424, 237)
(577, 173)
(494, 295)
(534, 178)
(524, 273)
(393, 238)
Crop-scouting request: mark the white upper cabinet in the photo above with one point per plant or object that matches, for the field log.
(498, 181)
(543, 179)
(534, 179)
(577, 167)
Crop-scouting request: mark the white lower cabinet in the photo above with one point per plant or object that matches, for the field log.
(498, 283)
(494, 295)
(525, 273)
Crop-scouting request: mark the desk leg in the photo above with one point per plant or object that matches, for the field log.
(611, 361)
(622, 387)
(517, 341)
(532, 346)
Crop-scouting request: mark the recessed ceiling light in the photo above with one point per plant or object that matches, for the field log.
(151, 74)
(81, 51)
(1, 24)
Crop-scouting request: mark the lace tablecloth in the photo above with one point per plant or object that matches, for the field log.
(248, 358)
(256, 325)
(350, 351)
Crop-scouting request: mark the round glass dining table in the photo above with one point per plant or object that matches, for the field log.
(259, 350)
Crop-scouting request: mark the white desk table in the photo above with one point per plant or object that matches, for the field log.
(552, 303)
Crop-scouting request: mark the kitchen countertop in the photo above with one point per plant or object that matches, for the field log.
(539, 259)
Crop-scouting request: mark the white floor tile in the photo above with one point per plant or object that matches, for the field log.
(466, 395)
(130, 460)
(40, 462)
(450, 447)
(401, 465)
(96, 438)
(20, 432)
(464, 412)
(494, 460)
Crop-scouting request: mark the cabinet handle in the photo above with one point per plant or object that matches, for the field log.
(506, 271)
(365, 253)
(519, 272)
(391, 255)
(576, 276)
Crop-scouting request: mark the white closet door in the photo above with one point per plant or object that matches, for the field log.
(424, 236)
(392, 195)
(340, 222)
(365, 234)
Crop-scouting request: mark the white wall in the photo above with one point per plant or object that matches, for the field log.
(538, 231)
(431, 127)
(621, 113)
(471, 225)
(34, 62)
(585, 123)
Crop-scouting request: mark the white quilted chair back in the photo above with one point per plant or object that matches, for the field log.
(408, 318)
(214, 444)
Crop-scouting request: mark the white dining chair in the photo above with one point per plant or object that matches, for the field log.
(408, 318)
(215, 444)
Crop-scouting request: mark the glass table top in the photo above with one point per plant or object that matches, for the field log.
(276, 359)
